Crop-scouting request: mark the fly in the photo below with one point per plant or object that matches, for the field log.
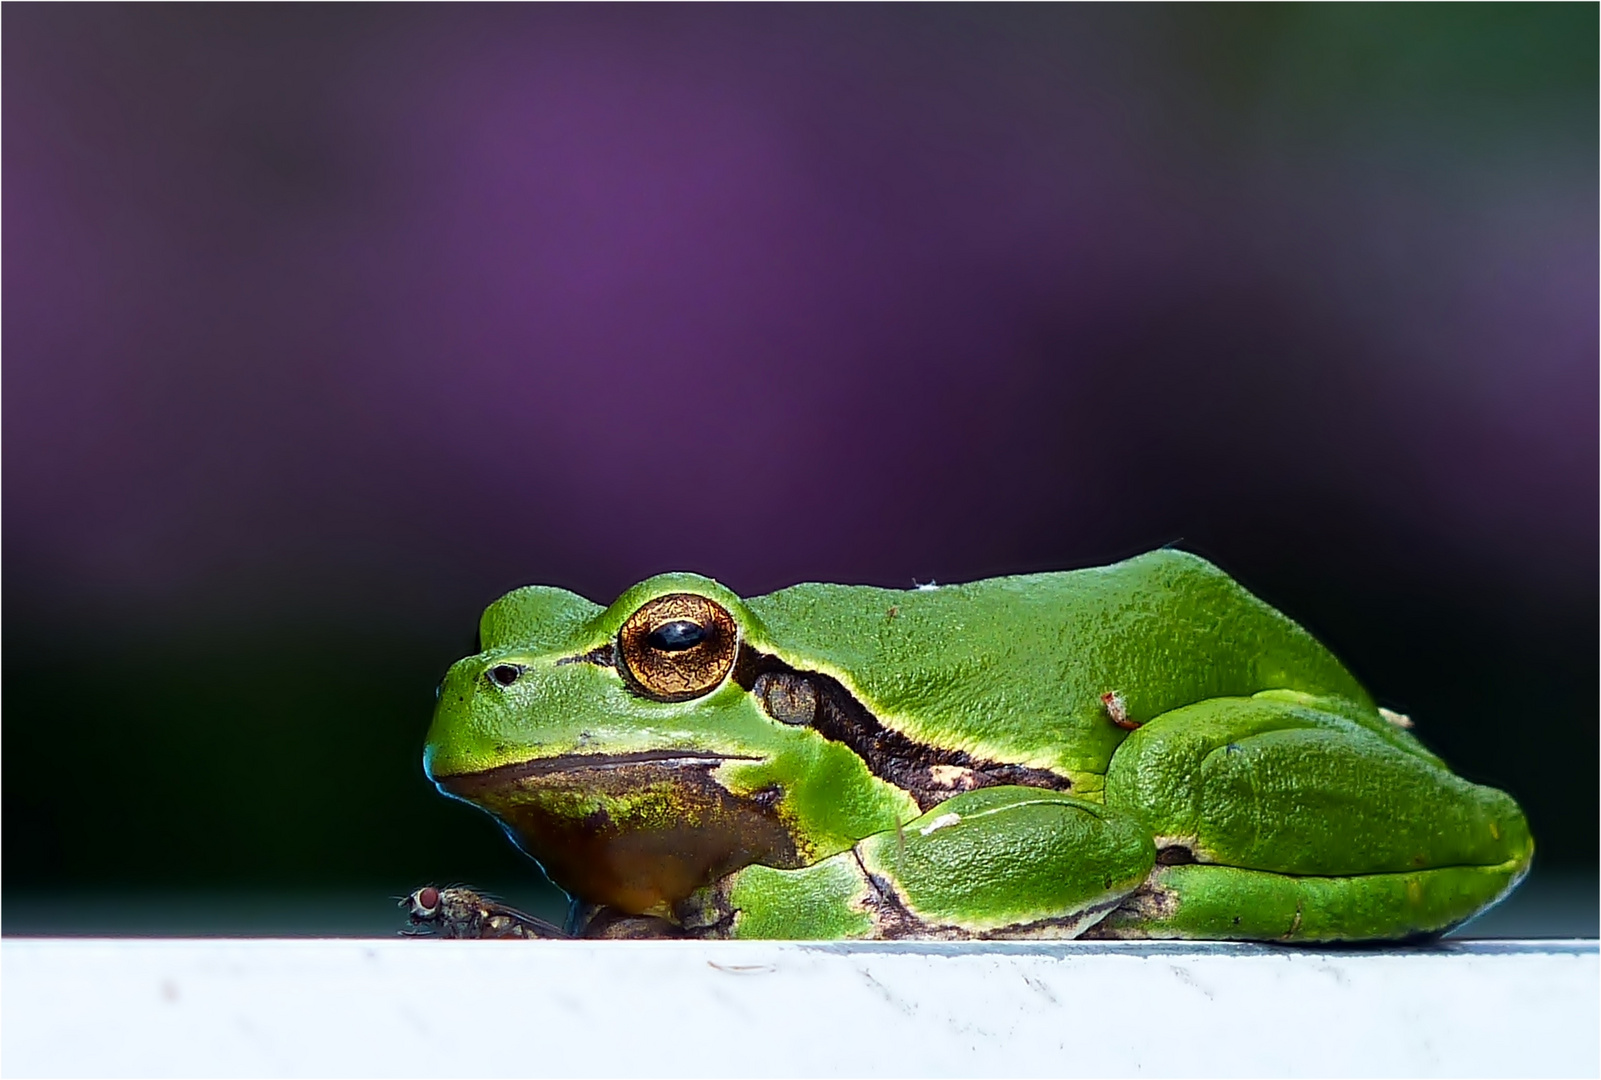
(457, 912)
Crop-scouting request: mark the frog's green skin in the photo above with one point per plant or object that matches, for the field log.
(947, 762)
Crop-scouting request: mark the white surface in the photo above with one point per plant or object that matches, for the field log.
(416, 1008)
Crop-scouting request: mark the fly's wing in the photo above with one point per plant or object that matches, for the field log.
(504, 921)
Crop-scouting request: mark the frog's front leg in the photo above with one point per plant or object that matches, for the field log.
(1282, 817)
(1001, 862)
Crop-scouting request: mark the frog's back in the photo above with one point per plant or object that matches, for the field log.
(1014, 668)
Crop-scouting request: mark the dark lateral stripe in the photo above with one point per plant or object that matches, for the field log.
(889, 754)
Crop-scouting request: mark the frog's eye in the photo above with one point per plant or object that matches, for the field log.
(677, 647)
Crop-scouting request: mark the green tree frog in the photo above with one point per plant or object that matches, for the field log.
(1143, 750)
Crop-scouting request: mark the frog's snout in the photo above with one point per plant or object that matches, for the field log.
(498, 707)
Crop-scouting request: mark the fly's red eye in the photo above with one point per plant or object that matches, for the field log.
(428, 898)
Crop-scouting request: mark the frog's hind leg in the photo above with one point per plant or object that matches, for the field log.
(1000, 862)
(1290, 819)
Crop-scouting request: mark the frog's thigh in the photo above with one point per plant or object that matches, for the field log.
(995, 863)
(1305, 827)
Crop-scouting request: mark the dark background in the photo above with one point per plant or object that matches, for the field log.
(323, 326)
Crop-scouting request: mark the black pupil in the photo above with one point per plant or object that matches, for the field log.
(676, 636)
(504, 674)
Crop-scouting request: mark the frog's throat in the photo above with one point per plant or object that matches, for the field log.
(637, 832)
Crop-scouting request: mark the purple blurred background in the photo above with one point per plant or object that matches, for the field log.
(324, 325)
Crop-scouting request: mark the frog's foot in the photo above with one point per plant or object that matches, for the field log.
(1281, 819)
(597, 921)
(996, 863)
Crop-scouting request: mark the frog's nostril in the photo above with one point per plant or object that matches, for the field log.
(503, 675)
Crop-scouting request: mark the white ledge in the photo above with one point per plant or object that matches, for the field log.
(148, 1007)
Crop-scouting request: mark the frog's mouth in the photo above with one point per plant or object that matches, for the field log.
(637, 831)
(469, 785)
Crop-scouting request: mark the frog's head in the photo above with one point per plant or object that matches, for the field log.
(637, 752)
